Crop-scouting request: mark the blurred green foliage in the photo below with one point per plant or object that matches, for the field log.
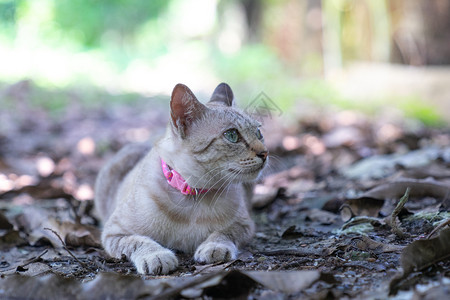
(88, 21)
(115, 44)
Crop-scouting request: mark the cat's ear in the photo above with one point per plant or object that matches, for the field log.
(184, 108)
(223, 95)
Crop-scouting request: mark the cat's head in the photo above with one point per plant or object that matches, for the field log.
(225, 143)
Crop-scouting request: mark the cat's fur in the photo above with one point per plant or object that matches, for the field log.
(146, 218)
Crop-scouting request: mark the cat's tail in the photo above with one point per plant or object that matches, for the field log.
(111, 175)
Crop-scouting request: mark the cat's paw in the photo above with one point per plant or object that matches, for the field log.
(211, 252)
(155, 263)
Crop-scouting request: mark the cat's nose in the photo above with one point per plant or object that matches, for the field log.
(263, 155)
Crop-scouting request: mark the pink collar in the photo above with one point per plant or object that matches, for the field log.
(177, 181)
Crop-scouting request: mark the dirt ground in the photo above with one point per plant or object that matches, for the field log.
(350, 207)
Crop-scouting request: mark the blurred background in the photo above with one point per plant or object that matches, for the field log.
(357, 93)
(354, 54)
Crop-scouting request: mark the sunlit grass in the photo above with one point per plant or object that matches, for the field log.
(60, 77)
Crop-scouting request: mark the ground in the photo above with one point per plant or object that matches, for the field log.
(350, 207)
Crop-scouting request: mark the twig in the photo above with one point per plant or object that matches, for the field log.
(447, 222)
(34, 259)
(27, 262)
(393, 217)
(225, 266)
(82, 264)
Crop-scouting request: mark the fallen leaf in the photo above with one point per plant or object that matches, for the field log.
(4, 222)
(291, 233)
(363, 206)
(263, 196)
(12, 238)
(380, 166)
(35, 269)
(282, 179)
(301, 186)
(304, 251)
(436, 170)
(422, 253)
(321, 216)
(343, 136)
(289, 282)
(234, 285)
(51, 286)
(35, 219)
(367, 244)
(440, 291)
(419, 188)
(79, 235)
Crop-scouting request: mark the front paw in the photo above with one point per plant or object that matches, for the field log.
(155, 263)
(211, 252)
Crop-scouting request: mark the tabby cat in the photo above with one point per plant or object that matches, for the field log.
(186, 193)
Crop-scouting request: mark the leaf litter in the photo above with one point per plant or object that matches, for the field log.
(328, 220)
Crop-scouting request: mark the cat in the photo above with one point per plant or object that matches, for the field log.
(187, 192)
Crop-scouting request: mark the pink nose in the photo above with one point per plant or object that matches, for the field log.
(262, 155)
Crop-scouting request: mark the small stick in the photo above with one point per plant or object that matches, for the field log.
(226, 265)
(393, 218)
(68, 251)
(34, 259)
(437, 228)
(231, 263)
(26, 262)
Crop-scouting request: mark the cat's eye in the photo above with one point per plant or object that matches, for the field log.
(259, 134)
(232, 135)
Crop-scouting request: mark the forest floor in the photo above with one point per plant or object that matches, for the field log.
(350, 207)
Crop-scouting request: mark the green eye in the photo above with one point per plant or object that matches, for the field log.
(232, 135)
(259, 134)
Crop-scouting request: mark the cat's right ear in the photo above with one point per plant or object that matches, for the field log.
(223, 95)
(184, 108)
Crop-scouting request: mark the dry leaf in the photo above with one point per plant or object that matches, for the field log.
(364, 206)
(422, 253)
(264, 196)
(291, 233)
(321, 216)
(4, 222)
(286, 282)
(79, 235)
(419, 188)
(367, 244)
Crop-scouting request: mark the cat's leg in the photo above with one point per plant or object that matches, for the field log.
(223, 245)
(148, 256)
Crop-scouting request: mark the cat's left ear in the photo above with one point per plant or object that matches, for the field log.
(184, 108)
(223, 95)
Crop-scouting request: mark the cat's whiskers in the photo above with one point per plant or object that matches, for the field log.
(277, 158)
(205, 186)
(224, 179)
(227, 187)
(222, 188)
(232, 176)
